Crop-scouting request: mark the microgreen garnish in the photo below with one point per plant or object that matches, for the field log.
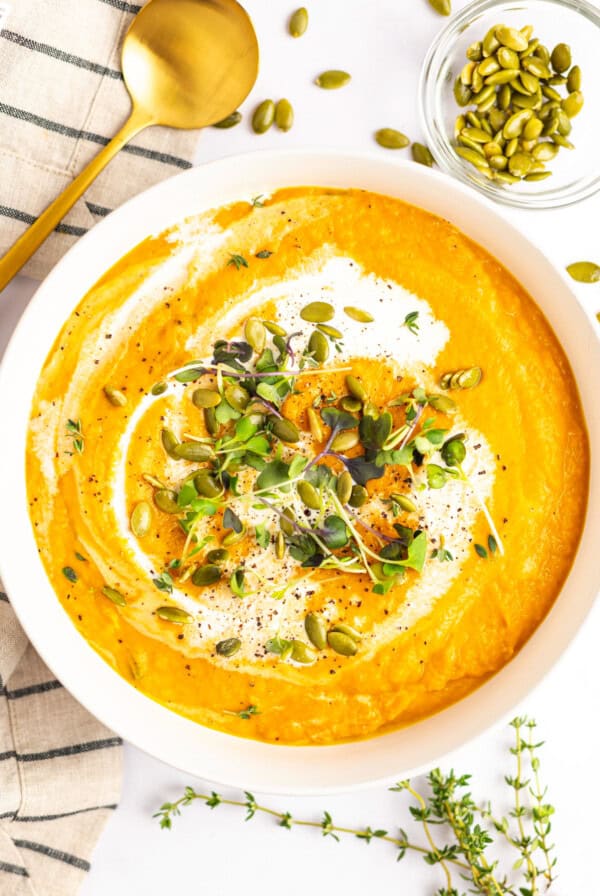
(74, 430)
(164, 582)
(410, 322)
(237, 261)
(257, 201)
(481, 551)
(246, 713)
(80, 557)
(69, 573)
(264, 253)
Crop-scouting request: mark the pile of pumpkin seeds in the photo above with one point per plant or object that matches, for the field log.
(520, 118)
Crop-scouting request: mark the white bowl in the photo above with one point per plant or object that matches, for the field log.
(200, 751)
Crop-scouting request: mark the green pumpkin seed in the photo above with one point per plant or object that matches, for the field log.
(115, 596)
(488, 67)
(519, 101)
(158, 389)
(511, 38)
(316, 630)
(405, 503)
(194, 451)
(573, 104)
(564, 124)
(318, 346)
(562, 141)
(175, 615)
(470, 155)
(229, 122)
(317, 312)
(275, 329)
(442, 403)
(538, 175)
(217, 555)
(462, 94)
(356, 388)
(504, 76)
(530, 83)
(557, 80)
(471, 144)
(342, 644)
(476, 134)
(359, 496)
(210, 421)
(506, 178)
(347, 630)
(237, 397)
(511, 147)
(532, 129)
(207, 485)
(543, 53)
(537, 67)
(504, 96)
(508, 58)
(343, 487)
(551, 94)
(285, 430)
(206, 398)
(389, 138)
(166, 500)
(308, 495)
(544, 152)
(232, 537)
(468, 379)
(169, 442)
(345, 441)
(527, 31)
(498, 163)
(255, 334)
(228, 647)
(263, 117)
(115, 397)
(422, 155)
(141, 519)
(574, 79)
(442, 7)
(520, 164)
(358, 314)
(332, 332)
(286, 521)
(302, 653)
(298, 22)
(516, 123)
(207, 575)
(284, 115)
(475, 51)
(473, 120)
(279, 546)
(584, 271)
(560, 58)
(490, 42)
(350, 404)
(332, 79)
(314, 424)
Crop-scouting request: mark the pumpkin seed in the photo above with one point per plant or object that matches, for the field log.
(285, 430)
(359, 496)
(533, 129)
(551, 94)
(314, 424)
(152, 480)
(279, 546)
(504, 76)
(318, 346)
(316, 630)
(332, 79)
(405, 503)
(542, 52)
(573, 104)
(175, 615)
(471, 144)
(562, 141)
(564, 124)
(544, 152)
(217, 555)
(490, 42)
(498, 162)
(298, 22)
(237, 397)
(345, 441)
(343, 487)
(520, 164)
(508, 58)
(158, 389)
(350, 404)
(169, 442)
(584, 271)
(504, 96)
(506, 178)
(263, 117)
(530, 83)
(232, 537)
(347, 630)
(389, 138)
(229, 122)
(538, 175)
(462, 94)
(358, 314)
(286, 521)
(527, 31)
(210, 421)
(468, 379)
(284, 115)
(422, 155)
(574, 79)
(332, 332)
(475, 51)
(256, 334)
(206, 398)
(116, 398)
(355, 387)
(511, 38)
(275, 329)
(115, 596)
(302, 653)
(207, 575)
(308, 495)
(194, 451)
(476, 134)
(536, 67)
(207, 485)
(317, 312)
(516, 123)
(442, 403)
(560, 58)
(470, 155)
(511, 147)
(485, 68)
(166, 500)
(228, 647)
(342, 644)
(141, 519)
(443, 7)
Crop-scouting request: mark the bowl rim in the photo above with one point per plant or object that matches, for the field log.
(219, 757)
(442, 152)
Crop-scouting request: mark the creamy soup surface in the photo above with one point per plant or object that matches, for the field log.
(307, 467)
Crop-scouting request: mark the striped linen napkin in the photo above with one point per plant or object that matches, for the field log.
(62, 98)
(60, 774)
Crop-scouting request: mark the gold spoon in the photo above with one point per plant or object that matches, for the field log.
(186, 64)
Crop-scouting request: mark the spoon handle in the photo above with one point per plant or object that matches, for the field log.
(12, 262)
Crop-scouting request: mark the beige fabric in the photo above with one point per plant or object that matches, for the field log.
(60, 774)
(61, 98)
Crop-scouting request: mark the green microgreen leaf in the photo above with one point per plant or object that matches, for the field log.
(264, 253)
(279, 646)
(481, 551)
(410, 322)
(69, 573)
(80, 557)
(237, 261)
(374, 431)
(362, 471)
(437, 477)
(338, 420)
(163, 582)
(297, 465)
(188, 375)
(224, 413)
(333, 533)
(262, 535)
(236, 582)
(275, 473)
(232, 521)
(187, 493)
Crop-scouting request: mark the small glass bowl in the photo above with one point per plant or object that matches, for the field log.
(576, 172)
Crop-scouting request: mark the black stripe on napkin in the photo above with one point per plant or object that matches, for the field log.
(14, 869)
(18, 215)
(66, 131)
(3, 596)
(27, 818)
(33, 689)
(53, 854)
(55, 53)
(122, 5)
(100, 210)
(63, 751)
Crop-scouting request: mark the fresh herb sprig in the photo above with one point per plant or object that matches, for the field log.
(463, 849)
(74, 431)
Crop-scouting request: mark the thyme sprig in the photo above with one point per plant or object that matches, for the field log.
(443, 803)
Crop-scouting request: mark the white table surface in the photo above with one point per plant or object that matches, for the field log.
(382, 44)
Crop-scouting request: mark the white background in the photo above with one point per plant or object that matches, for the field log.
(382, 43)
